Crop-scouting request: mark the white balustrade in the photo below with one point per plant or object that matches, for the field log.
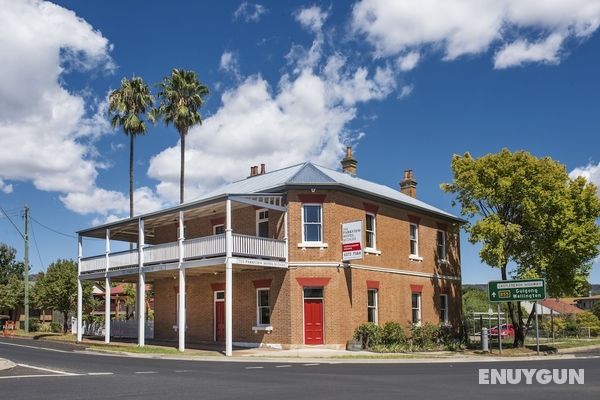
(123, 259)
(202, 247)
(206, 246)
(161, 253)
(96, 263)
(255, 246)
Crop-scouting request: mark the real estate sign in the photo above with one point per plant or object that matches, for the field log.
(517, 290)
(352, 241)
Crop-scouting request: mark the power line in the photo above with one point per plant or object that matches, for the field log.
(11, 221)
(42, 265)
(52, 229)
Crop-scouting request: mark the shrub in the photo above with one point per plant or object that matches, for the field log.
(393, 334)
(56, 327)
(587, 320)
(369, 334)
(424, 336)
(34, 324)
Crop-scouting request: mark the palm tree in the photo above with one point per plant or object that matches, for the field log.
(181, 96)
(128, 105)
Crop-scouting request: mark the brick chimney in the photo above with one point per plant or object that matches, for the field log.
(253, 171)
(263, 169)
(408, 185)
(349, 162)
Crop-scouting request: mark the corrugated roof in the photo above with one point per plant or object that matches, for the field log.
(311, 174)
(301, 174)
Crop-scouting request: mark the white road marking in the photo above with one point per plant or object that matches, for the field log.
(182, 371)
(54, 371)
(309, 365)
(100, 373)
(254, 367)
(283, 366)
(38, 376)
(146, 372)
(35, 347)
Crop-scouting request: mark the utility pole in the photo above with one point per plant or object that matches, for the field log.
(26, 272)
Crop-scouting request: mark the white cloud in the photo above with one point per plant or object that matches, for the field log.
(522, 51)
(5, 188)
(230, 64)
(406, 91)
(408, 61)
(47, 131)
(107, 202)
(312, 18)
(462, 27)
(590, 172)
(304, 117)
(250, 12)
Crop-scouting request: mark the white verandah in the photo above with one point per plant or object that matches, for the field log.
(208, 253)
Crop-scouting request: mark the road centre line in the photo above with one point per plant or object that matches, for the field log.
(39, 376)
(145, 372)
(283, 366)
(100, 373)
(254, 367)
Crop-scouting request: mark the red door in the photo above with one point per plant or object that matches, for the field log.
(219, 321)
(313, 321)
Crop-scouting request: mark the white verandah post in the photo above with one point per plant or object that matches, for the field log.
(285, 233)
(141, 291)
(107, 291)
(79, 290)
(181, 322)
(228, 280)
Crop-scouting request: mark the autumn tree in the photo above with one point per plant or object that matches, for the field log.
(528, 215)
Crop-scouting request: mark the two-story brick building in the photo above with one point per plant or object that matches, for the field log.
(259, 262)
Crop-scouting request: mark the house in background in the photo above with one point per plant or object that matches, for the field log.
(122, 301)
(586, 303)
(551, 306)
(259, 261)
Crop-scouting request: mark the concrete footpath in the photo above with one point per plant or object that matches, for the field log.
(6, 364)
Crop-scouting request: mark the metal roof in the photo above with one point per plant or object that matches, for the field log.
(304, 174)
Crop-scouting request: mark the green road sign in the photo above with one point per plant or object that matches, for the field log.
(517, 290)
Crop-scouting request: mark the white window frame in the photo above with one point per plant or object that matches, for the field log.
(414, 256)
(214, 228)
(418, 308)
(444, 245)
(375, 307)
(319, 242)
(374, 231)
(258, 306)
(261, 220)
(445, 318)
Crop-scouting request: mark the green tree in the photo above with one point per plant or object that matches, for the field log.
(181, 95)
(596, 310)
(474, 300)
(8, 265)
(12, 294)
(12, 287)
(529, 213)
(57, 289)
(127, 106)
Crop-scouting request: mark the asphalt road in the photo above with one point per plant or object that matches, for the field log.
(60, 371)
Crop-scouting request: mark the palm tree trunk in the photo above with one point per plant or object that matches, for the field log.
(131, 142)
(182, 164)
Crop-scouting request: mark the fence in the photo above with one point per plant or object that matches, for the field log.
(118, 328)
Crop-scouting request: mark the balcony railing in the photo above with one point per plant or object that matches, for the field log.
(193, 249)
(204, 247)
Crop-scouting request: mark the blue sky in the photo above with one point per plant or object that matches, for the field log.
(407, 84)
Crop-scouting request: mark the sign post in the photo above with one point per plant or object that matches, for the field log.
(352, 248)
(500, 331)
(518, 290)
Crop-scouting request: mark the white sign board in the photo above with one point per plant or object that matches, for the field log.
(352, 241)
